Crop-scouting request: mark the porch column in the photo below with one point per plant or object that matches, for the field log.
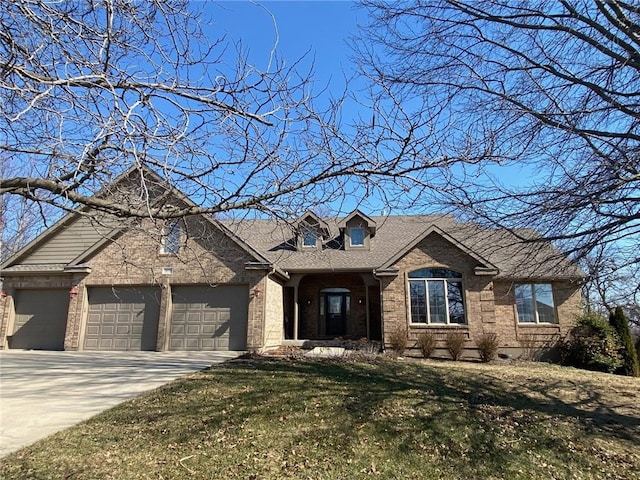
(366, 304)
(295, 311)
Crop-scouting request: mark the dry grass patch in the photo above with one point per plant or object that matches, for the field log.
(298, 419)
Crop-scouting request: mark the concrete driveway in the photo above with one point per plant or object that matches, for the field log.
(45, 392)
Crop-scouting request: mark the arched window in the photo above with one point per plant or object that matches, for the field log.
(436, 296)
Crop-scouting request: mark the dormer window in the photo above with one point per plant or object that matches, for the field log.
(309, 238)
(357, 230)
(310, 231)
(356, 236)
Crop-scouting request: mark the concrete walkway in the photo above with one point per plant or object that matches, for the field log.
(45, 392)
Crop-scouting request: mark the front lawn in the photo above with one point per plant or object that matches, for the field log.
(297, 419)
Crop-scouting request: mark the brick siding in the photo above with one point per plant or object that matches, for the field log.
(206, 256)
(489, 303)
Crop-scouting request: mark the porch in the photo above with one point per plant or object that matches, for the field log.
(331, 307)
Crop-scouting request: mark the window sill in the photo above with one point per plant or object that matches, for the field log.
(438, 325)
(539, 324)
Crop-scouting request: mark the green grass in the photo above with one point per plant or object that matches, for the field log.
(294, 419)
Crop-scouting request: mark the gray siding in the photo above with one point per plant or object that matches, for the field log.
(68, 243)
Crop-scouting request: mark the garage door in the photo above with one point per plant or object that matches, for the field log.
(209, 318)
(122, 318)
(41, 319)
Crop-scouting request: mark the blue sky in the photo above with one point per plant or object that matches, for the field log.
(319, 29)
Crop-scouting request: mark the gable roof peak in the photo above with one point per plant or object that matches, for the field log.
(485, 266)
(371, 223)
(316, 221)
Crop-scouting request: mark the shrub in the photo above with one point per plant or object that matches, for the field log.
(592, 344)
(427, 343)
(529, 346)
(488, 346)
(535, 346)
(630, 365)
(455, 343)
(398, 340)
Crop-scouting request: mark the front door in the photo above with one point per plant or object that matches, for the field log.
(336, 308)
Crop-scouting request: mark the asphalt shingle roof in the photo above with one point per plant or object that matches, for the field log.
(395, 234)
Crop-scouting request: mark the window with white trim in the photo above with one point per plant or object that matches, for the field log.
(436, 297)
(356, 236)
(309, 238)
(170, 243)
(534, 303)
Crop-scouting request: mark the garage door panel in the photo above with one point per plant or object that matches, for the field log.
(178, 329)
(124, 330)
(93, 330)
(209, 330)
(106, 330)
(209, 318)
(193, 330)
(137, 330)
(40, 319)
(122, 318)
(221, 330)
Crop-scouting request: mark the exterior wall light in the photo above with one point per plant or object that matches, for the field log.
(256, 291)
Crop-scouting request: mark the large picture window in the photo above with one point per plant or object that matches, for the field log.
(436, 296)
(534, 303)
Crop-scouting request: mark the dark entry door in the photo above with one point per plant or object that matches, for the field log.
(336, 308)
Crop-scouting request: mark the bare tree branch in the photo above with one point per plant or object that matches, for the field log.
(548, 89)
(90, 89)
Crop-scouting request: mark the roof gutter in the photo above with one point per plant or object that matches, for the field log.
(488, 271)
(385, 272)
(272, 270)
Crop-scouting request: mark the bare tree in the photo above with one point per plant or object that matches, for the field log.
(611, 283)
(20, 218)
(549, 88)
(89, 89)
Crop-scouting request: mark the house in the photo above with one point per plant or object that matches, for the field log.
(93, 282)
